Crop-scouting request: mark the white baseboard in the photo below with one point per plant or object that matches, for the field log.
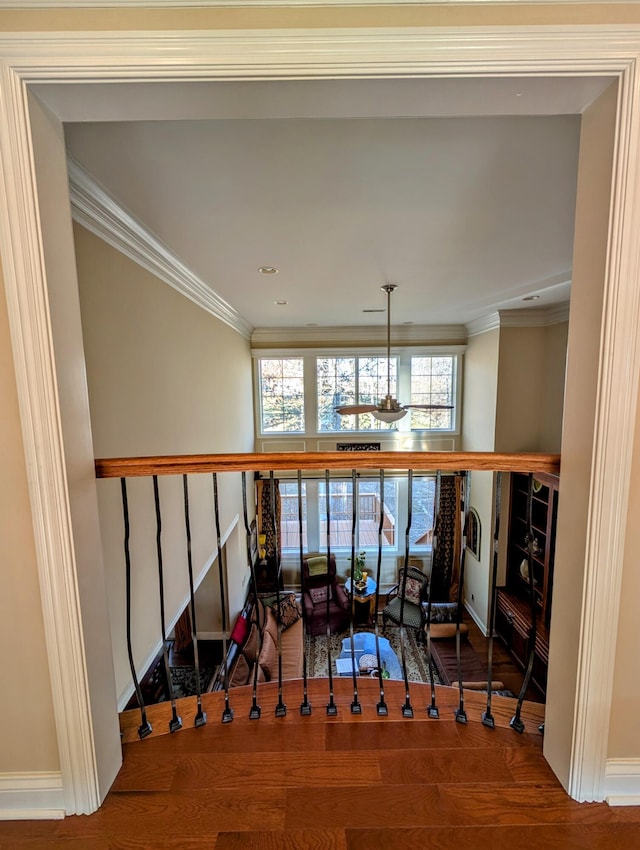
(476, 619)
(622, 782)
(31, 796)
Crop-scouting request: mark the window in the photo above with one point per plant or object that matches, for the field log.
(298, 395)
(282, 394)
(433, 382)
(352, 380)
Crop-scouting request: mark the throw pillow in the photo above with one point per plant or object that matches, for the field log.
(252, 644)
(271, 626)
(240, 630)
(239, 673)
(288, 611)
(412, 591)
(319, 594)
(268, 658)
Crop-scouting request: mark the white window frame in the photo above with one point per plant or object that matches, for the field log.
(403, 355)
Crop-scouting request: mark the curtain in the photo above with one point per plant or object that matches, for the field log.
(446, 560)
(266, 524)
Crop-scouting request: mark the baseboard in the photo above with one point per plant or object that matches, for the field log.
(31, 796)
(476, 619)
(622, 782)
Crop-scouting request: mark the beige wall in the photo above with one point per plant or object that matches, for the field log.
(29, 738)
(624, 734)
(165, 377)
(552, 398)
(479, 400)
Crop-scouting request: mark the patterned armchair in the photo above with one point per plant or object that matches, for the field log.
(320, 580)
(415, 594)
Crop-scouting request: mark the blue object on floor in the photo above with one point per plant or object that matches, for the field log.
(365, 642)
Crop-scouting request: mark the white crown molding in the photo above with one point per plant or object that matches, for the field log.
(212, 4)
(101, 213)
(531, 317)
(31, 796)
(356, 335)
(597, 50)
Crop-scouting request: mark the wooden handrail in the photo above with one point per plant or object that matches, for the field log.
(130, 467)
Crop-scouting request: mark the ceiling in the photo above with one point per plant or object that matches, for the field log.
(461, 192)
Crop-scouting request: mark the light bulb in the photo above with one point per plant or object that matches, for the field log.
(388, 415)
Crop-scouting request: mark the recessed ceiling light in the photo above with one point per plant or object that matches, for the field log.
(280, 303)
(268, 270)
(531, 298)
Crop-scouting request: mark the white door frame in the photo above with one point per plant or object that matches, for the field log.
(156, 56)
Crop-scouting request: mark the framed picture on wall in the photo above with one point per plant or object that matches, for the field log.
(473, 533)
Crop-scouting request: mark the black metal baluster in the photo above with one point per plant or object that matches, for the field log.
(356, 708)
(281, 708)
(516, 721)
(201, 717)
(407, 710)
(381, 707)
(460, 713)
(332, 708)
(227, 711)
(145, 727)
(176, 721)
(487, 718)
(305, 706)
(254, 711)
(432, 710)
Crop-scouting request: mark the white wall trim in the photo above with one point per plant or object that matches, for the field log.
(622, 782)
(356, 335)
(525, 318)
(476, 618)
(31, 796)
(607, 51)
(103, 215)
(212, 4)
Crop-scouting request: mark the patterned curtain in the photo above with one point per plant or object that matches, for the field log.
(266, 525)
(446, 562)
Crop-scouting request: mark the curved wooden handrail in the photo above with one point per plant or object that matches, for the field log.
(130, 467)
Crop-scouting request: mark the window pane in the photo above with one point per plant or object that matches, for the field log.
(282, 394)
(289, 516)
(432, 382)
(352, 380)
(368, 519)
(424, 489)
(336, 377)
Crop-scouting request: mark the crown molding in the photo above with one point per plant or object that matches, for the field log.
(525, 318)
(291, 4)
(102, 214)
(357, 335)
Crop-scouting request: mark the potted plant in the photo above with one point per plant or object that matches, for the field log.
(359, 563)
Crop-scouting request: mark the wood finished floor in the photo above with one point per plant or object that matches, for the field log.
(344, 783)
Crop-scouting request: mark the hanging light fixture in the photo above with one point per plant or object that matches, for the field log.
(388, 408)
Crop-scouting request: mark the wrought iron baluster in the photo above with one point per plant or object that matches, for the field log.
(201, 717)
(432, 710)
(516, 721)
(175, 722)
(145, 727)
(305, 706)
(407, 710)
(381, 707)
(254, 711)
(356, 708)
(332, 708)
(460, 713)
(227, 711)
(487, 717)
(281, 708)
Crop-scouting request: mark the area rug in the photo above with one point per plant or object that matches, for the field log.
(415, 655)
(183, 680)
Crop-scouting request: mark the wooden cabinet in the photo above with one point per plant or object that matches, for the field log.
(513, 608)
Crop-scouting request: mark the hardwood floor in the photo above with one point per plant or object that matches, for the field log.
(353, 782)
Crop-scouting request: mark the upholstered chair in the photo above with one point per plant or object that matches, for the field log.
(319, 580)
